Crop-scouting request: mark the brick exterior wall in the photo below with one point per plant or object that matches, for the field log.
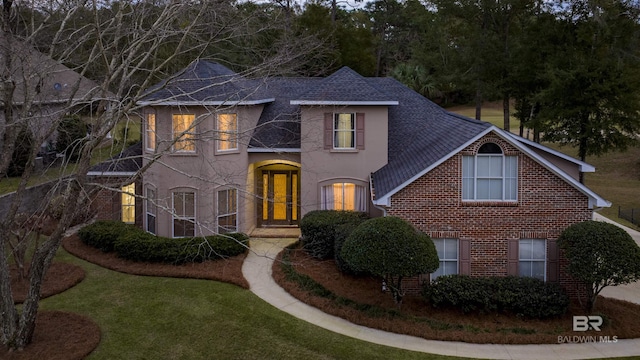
(107, 204)
(546, 205)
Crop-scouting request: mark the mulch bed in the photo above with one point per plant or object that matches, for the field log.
(418, 318)
(59, 278)
(66, 336)
(226, 270)
(59, 336)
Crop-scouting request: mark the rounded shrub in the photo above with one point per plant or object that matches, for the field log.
(391, 248)
(319, 227)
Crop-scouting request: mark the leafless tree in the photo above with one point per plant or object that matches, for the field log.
(123, 47)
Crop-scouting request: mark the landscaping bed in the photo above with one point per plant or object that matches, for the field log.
(361, 301)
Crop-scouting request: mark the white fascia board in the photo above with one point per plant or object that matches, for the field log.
(386, 199)
(205, 103)
(110, 173)
(594, 199)
(273, 150)
(344, 103)
(584, 167)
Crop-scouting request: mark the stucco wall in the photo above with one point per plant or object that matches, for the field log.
(320, 166)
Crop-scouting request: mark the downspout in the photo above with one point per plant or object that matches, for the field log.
(384, 211)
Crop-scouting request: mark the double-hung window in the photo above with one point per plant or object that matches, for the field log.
(184, 133)
(151, 209)
(344, 131)
(227, 211)
(129, 203)
(532, 258)
(448, 254)
(227, 127)
(150, 132)
(184, 214)
(490, 175)
(344, 196)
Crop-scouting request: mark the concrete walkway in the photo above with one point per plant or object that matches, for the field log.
(257, 271)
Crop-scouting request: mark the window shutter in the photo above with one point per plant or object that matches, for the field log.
(465, 256)
(360, 131)
(512, 257)
(553, 264)
(328, 131)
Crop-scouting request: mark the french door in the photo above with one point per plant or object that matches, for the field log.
(280, 192)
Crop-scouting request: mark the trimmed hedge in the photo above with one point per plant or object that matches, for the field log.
(103, 234)
(523, 296)
(134, 244)
(319, 229)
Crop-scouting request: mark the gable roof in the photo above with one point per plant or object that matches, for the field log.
(594, 199)
(43, 80)
(421, 134)
(344, 87)
(205, 83)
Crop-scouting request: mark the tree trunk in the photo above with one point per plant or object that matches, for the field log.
(505, 112)
(478, 100)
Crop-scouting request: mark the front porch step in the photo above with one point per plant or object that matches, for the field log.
(276, 232)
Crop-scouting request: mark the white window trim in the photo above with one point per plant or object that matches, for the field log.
(148, 131)
(147, 202)
(353, 131)
(544, 261)
(190, 131)
(504, 177)
(175, 216)
(443, 260)
(324, 205)
(219, 215)
(234, 134)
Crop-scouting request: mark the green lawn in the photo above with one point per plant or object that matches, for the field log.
(133, 134)
(617, 176)
(163, 318)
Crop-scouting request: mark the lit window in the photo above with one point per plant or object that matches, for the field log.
(151, 209)
(150, 131)
(184, 214)
(532, 256)
(344, 131)
(344, 196)
(227, 132)
(227, 211)
(490, 175)
(448, 254)
(184, 132)
(129, 204)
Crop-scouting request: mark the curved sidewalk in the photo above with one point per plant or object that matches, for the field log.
(257, 270)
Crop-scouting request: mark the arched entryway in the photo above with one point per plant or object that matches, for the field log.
(278, 189)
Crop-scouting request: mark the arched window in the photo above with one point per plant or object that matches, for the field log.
(490, 175)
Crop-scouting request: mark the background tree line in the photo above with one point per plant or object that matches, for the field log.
(571, 68)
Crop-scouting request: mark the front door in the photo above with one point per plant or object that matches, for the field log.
(280, 197)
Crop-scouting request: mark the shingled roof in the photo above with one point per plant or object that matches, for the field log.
(205, 83)
(128, 162)
(420, 132)
(344, 87)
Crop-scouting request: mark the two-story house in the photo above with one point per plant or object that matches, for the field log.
(234, 154)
